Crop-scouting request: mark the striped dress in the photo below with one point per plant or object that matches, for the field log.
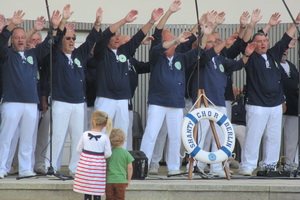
(90, 177)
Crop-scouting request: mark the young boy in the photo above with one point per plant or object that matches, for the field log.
(119, 171)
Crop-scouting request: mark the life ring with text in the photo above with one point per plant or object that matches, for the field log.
(191, 146)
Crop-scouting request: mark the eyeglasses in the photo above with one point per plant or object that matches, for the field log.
(69, 38)
(211, 42)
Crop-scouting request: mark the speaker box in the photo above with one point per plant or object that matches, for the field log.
(140, 165)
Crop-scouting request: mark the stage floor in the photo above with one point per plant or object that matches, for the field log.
(161, 187)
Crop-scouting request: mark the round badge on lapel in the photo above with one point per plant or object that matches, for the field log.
(30, 60)
(221, 67)
(178, 65)
(122, 58)
(77, 62)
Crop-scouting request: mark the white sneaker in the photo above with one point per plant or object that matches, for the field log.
(40, 169)
(174, 172)
(29, 173)
(2, 175)
(246, 172)
(153, 170)
(220, 174)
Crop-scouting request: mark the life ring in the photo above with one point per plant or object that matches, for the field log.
(191, 146)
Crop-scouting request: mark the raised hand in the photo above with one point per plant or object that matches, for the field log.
(274, 20)
(147, 40)
(210, 17)
(156, 14)
(256, 17)
(17, 17)
(67, 13)
(292, 43)
(184, 37)
(202, 20)
(55, 19)
(175, 6)
(2, 22)
(131, 16)
(220, 18)
(39, 23)
(99, 14)
(250, 48)
(207, 30)
(244, 18)
(231, 39)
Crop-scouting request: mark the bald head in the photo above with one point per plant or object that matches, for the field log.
(166, 33)
(168, 37)
(124, 39)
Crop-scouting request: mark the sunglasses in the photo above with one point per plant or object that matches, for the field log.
(69, 38)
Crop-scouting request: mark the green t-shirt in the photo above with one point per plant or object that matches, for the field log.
(117, 166)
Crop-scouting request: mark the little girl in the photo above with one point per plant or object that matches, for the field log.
(94, 147)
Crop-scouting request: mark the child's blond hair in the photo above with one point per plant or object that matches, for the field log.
(100, 118)
(117, 137)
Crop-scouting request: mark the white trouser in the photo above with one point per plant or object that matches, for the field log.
(261, 122)
(42, 140)
(162, 136)
(188, 106)
(67, 117)
(240, 133)
(228, 109)
(25, 116)
(13, 156)
(156, 116)
(12, 159)
(86, 120)
(290, 138)
(117, 110)
(206, 140)
(159, 145)
(35, 139)
(129, 131)
(88, 111)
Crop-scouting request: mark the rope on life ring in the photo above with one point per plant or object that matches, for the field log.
(191, 146)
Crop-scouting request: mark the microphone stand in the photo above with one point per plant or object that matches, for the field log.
(199, 33)
(192, 168)
(297, 27)
(50, 170)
